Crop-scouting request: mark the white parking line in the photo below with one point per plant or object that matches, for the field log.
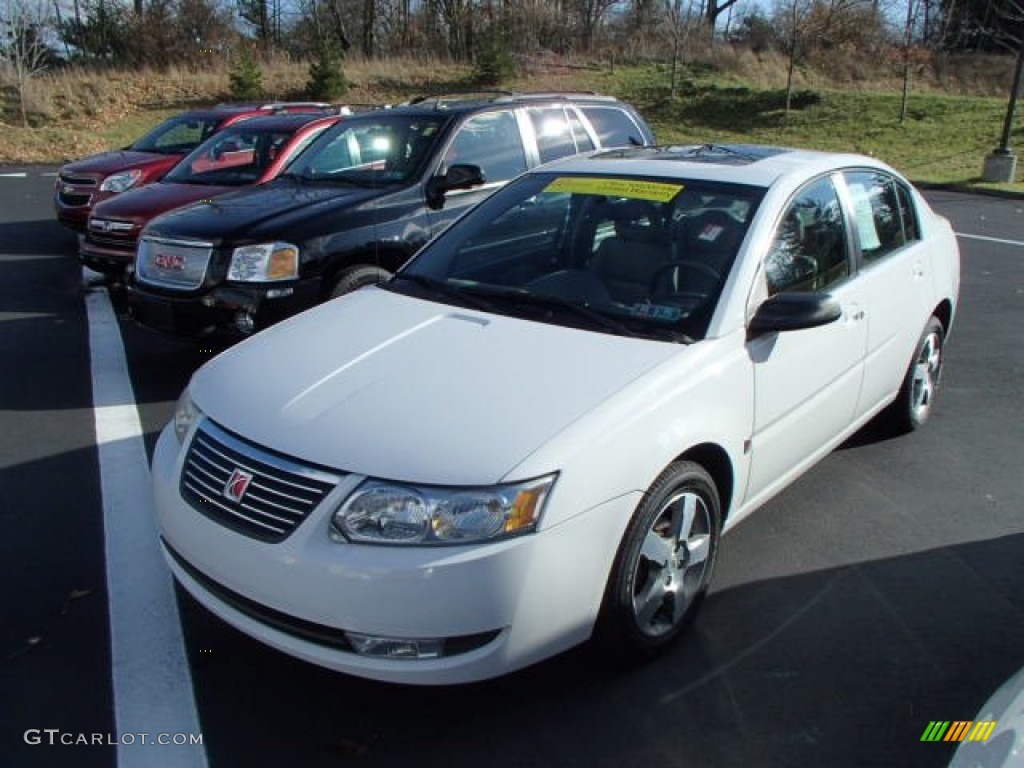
(151, 679)
(1001, 241)
(13, 175)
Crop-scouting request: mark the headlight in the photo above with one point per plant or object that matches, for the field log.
(380, 512)
(119, 182)
(264, 263)
(185, 415)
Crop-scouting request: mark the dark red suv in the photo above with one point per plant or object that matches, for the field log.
(84, 183)
(248, 153)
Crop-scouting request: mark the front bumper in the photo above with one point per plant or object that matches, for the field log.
(235, 310)
(109, 260)
(509, 603)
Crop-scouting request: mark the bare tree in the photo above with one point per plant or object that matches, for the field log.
(908, 41)
(678, 21)
(23, 50)
(589, 14)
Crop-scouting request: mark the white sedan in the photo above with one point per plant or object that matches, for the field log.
(538, 431)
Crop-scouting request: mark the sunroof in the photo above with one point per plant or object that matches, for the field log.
(717, 154)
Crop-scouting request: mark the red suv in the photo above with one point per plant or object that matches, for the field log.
(245, 154)
(84, 183)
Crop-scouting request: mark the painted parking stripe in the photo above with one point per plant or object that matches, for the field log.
(1001, 241)
(13, 175)
(152, 682)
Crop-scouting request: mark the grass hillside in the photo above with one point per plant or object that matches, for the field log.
(943, 139)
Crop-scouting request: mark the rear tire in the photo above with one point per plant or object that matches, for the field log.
(914, 404)
(356, 277)
(664, 564)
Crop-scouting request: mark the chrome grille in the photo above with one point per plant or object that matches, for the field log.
(278, 495)
(81, 181)
(170, 263)
(124, 243)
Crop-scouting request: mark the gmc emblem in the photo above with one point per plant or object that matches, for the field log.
(170, 261)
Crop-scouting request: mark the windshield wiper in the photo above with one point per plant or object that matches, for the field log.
(442, 288)
(545, 300)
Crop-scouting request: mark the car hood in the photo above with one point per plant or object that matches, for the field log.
(259, 212)
(391, 386)
(142, 204)
(115, 160)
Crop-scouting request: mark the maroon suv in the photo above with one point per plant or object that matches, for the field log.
(84, 183)
(245, 154)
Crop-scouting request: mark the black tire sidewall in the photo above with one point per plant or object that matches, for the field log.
(617, 628)
(354, 278)
(906, 419)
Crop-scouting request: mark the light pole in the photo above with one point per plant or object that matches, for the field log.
(1001, 164)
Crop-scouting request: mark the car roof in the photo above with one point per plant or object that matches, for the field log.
(473, 101)
(751, 164)
(260, 108)
(270, 123)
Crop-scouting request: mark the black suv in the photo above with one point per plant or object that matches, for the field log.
(355, 205)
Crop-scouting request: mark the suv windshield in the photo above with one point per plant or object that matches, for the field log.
(231, 158)
(178, 135)
(377, 149)
(618, 255)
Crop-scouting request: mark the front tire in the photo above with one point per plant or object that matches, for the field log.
(915, 402)
(664, 564)
(356, 277)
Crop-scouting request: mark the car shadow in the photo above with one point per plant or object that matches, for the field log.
(840, 667)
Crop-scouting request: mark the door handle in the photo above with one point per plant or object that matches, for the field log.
(918, 269)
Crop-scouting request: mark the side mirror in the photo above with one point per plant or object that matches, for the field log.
(459, 176)
(793, 312)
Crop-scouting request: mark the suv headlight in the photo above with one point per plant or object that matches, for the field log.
(381, 512)
(119, 182)
(185, 415)
(264, 263)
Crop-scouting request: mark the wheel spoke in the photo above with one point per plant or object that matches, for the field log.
(699, 547)
(649, 601)
(681, 600)
(683, 515)
(656, 549)
(923, 386)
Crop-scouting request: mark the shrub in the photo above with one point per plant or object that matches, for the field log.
(493, 62)
(245, 80)
(327, 80)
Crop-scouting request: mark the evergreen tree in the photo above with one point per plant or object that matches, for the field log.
(245, 78)
(326, 78)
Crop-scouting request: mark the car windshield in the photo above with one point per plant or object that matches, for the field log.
(640, 257)
(177, 135)
(232, 158)
(374, 149)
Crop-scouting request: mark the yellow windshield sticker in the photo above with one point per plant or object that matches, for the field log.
(657, 191)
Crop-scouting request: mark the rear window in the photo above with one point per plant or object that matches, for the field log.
(614, 127)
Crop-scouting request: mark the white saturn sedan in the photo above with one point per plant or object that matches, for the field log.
(538, 430)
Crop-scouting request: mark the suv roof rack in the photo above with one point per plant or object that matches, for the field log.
(497, 96)
(271, 106)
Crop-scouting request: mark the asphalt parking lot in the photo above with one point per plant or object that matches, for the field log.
(882, 591)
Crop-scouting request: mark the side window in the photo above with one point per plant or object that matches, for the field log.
(908, 213)
(182, 135)
(554, 136)
(878, 219)
(491, 141)
(808, 252)
(583, 141)
(614, 127)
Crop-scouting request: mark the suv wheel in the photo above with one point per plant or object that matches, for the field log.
(356, 277)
